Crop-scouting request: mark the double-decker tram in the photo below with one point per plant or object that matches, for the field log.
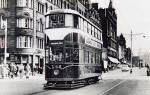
(73, 50)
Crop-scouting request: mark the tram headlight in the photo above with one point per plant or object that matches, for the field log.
(56, 72)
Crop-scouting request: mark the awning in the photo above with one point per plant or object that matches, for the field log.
(114, 60)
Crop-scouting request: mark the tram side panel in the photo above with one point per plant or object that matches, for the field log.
(87, 68)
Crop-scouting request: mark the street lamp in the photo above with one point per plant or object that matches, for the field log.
(132, 43)
(4, 26)
(131, 50)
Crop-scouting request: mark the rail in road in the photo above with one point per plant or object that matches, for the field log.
(113, 83)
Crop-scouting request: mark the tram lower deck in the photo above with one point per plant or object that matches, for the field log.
(71, 64)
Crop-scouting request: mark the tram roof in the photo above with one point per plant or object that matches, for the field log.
(69, 11)
(62, 11)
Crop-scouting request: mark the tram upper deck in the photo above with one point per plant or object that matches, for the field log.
(60, 22)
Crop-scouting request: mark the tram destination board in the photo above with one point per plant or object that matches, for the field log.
(56, 42)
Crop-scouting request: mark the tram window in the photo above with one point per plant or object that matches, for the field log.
(68, 54)
(92, 57)
(96, 34)
(56, 53)
(92, 31)
(85, 26)
(76, 22)
(69, 20)
(99, 35)
(56, 21)
(97, 58)
(79, 21)
(82, 24)
(68, 38)
(75, 37)
(76, 55)
(86, 56)
(81, 39)
(89, 28)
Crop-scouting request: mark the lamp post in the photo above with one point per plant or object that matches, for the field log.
(4, 26)
(131, 50)
(132, 44)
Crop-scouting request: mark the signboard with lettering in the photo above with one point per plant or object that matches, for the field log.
(56, 42)
(93, 43)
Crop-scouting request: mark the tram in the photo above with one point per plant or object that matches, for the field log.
(73, 50)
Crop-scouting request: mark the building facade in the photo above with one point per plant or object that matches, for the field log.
(122, 49)
(109, 27)
(26, 25)
(25, 35)
(128, 55)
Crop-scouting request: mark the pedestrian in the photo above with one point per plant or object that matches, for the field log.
(2, 71)
(34, 70)
(28, 70)
(100, 77)
(130, 71)
(12, 70)
(21, 70)
(6, 69)
(16, 72)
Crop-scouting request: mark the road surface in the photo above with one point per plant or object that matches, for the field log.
(113, 83)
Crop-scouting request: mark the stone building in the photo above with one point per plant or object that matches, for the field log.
(109, 27)
(122, 49)
(26, 24)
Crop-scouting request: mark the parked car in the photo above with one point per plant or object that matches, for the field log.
(125, 68)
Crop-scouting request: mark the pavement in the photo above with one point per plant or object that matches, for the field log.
(36, 76)
(22, 86)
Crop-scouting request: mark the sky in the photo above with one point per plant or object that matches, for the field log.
(132, 15)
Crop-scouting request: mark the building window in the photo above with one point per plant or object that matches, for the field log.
(3, 3)
(22, 3)
(40, 8)
(40, 26)
(40, 43)
(46, 7)
(24, 42)
(24, 23)
(30, 3)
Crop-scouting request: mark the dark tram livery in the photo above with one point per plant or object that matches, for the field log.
(73, 50)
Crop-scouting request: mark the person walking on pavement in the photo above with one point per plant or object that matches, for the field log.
(6, 69)
(21, 70)
(2, 71)
(130, 71)
(28, 70)
(13, 70)
(16, 72)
